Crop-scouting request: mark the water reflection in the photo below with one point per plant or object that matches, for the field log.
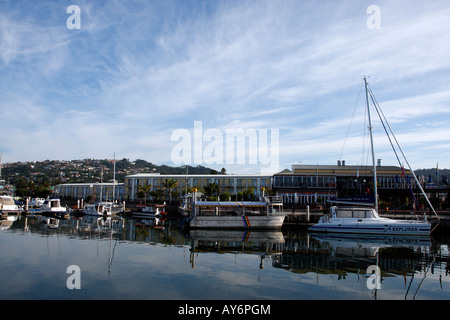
(295, 264)
(262, 243)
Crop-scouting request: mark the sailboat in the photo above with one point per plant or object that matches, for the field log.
(348, 217)
(104, 208)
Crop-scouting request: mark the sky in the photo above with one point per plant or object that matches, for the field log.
(170, 81)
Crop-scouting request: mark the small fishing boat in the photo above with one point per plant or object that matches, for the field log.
(104, 208)
(348, 217)
(264, 214)
(52, 206)
(36, 202)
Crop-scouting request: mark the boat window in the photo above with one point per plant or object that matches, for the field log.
(359, 214)
(7, 201)
(344, 213)
(369, 214)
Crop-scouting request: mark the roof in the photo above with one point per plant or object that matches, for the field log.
(236, 204)
(342, 170)
(183, 176)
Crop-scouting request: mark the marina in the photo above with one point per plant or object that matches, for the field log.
(250, 248)
(132, 258)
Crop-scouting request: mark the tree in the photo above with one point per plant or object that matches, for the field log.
(144, 190)
(225, 196)
(248, 194)
(212, 189)
(169, 185)
(157, 194)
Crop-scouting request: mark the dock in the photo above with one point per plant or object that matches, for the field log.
(302, 218)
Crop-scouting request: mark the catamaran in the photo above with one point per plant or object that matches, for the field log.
(264, 214)
(348, 217)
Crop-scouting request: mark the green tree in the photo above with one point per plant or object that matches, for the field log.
(225, 196)
(144, 190)
(169, 185)
(157, 194)
(249, 193)
(212, 189)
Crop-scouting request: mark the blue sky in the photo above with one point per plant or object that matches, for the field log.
(136, 71)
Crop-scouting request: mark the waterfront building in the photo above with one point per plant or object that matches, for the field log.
(302, 185)
(228, 183)
(315, 184)
(91, 190)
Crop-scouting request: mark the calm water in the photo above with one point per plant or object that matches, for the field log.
(136, 259)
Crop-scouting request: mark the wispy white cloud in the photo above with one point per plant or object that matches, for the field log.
(136, 71)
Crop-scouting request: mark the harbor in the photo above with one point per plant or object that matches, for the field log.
(134, 258)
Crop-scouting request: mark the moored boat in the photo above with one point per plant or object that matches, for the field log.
(52, 206)
(358, 219)
(8, 206)
(347, 217)
(264, 214)
(104, 208)
(36, 202)
(150, 211)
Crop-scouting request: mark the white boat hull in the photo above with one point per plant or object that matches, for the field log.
(239, 222)
(373, 226)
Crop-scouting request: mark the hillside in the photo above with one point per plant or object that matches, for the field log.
(54, 172)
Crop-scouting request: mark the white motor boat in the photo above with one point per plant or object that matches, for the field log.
(36, 202)
(104, 208)
(53, 206)
(7, 205)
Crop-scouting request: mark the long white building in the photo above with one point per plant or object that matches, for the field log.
(94, 190)
(227, 182)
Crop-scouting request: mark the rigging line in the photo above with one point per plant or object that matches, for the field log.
(351, 121)
(409, 166)
(384, 122)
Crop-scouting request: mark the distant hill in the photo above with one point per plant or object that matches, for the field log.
(88, 170)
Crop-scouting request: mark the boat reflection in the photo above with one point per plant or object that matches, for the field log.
(7, 220)
(342, 254)
(409, 258)
(264, 243)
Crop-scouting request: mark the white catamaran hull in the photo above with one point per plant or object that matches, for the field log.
(373, 226)
(246, 222)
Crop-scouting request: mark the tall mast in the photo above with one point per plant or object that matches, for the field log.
(114, 178)
(371, 143)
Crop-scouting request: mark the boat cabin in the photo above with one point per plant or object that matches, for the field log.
(353, 212)
(7, 204)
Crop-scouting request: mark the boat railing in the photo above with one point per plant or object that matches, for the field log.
(274, 200)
